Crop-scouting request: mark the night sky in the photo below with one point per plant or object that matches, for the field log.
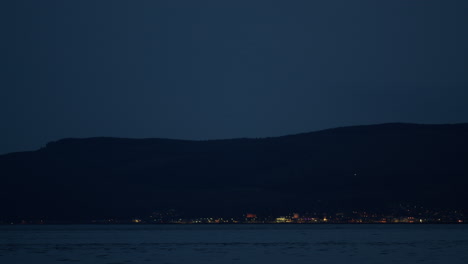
(215, 69)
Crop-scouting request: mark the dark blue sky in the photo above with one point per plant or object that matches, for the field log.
(221, 69)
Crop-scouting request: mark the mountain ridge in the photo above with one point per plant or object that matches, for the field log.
(340, 128)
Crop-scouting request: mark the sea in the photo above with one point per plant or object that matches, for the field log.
(240, 243)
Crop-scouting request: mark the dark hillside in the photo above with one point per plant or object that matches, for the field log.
(373, 166)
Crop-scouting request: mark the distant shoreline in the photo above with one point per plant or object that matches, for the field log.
(225, 224)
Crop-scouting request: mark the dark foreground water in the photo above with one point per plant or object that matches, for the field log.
(234, 244)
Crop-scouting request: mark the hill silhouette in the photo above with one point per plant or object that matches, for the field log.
(374, 166)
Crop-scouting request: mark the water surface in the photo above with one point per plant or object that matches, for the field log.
(119, 244)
